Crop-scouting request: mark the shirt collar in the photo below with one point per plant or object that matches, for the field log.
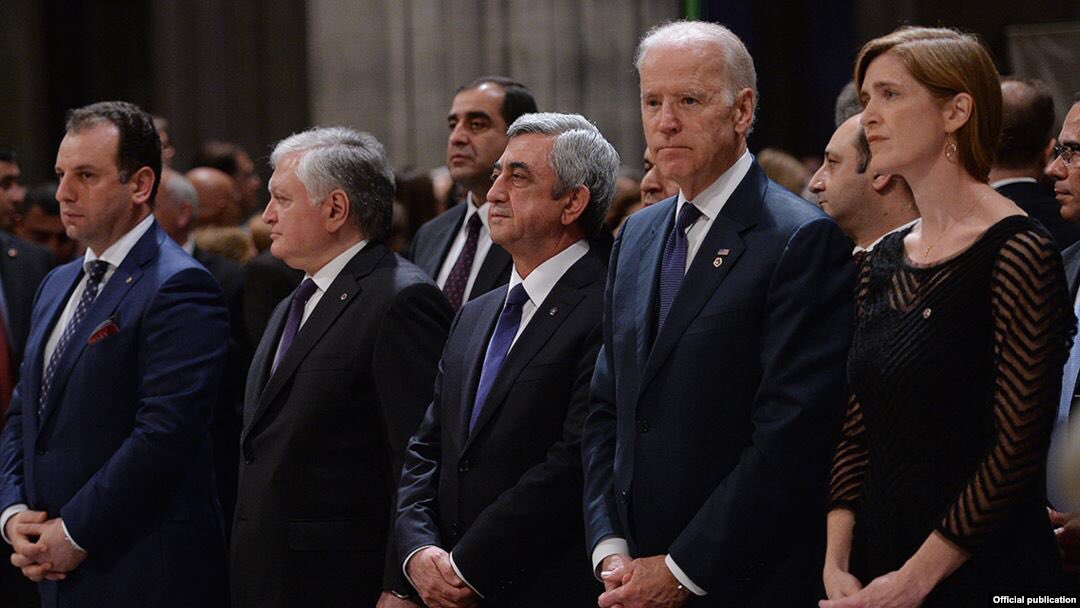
(114, 254)
(189, 245)
(324, 276)
(541, 280)
(471, 208)
(712, 199)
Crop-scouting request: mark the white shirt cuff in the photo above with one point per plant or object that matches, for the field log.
(405, 564)
(67, 537)
(8, 514)
(680, 576)
(609, 545)
(462, 576)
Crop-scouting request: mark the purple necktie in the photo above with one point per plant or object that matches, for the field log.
(94, 275)
(296, 314)
(673, 264)
(454, 288)
(505, 330)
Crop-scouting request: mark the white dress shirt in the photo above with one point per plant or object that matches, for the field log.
(114, 255)
(537, 286)
(323, 278)
(483, 245)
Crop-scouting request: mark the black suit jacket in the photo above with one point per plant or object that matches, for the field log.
(506, 499)
(23, 265)
(324, 435)
(433, 240)
(266, 281)
(711, 442)
(1039, 203)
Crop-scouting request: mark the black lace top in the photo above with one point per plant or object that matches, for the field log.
(955, 374)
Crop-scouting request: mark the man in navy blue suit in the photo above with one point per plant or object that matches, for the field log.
(106, 487)
(728, 317)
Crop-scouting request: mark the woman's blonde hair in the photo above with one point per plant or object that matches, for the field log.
(948, 62)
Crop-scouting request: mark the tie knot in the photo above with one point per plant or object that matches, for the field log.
(303, 293)
(474, 223)
(96, 270)
(517, 296)
(687, 215)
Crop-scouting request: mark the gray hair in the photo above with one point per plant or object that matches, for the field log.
(580, 156)
(179, 188)
(353, 161)
(739, 72)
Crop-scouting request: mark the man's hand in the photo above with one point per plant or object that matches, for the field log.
(612, 569)
(439, 586)
(389, 600)
(1067, 531)
(53, 555)
(28, 552)
(839, 583)
(646, 583)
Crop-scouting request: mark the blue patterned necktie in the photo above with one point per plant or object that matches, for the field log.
(94, 275)
(673, 264)
(505, 330)
(296, 314)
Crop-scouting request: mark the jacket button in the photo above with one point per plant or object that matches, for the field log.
(623, 496)
(248, 459)
(463, 466)
(455, 529)
(41, 451)
(643, 426)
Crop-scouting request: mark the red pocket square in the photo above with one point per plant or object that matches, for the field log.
(106, 329)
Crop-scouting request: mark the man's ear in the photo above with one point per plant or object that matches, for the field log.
(575, 204)
(743, 110)
(336, 209)
(881, 182)
(141, 182)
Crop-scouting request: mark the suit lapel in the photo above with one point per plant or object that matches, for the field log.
(1072, 273)
(339, 296)
(441, 246)
(53, 300)
(104, 307)
(710, 266)
(648, 275)
(549, 316)
(262, 360)
(495, 266)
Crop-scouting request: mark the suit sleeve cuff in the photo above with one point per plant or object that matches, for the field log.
(405, 563)
(680, 576)
(462, 576)
(69, 538)
(8, 514)
(609, 545)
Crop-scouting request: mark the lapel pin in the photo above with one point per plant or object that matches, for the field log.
(13, 253)
(554, 311)
(344, 295)
(128, 280)
(719, 261)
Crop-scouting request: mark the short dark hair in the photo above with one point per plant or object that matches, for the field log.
(139, 145)
(862, 150)
(517, 98)
(219, 154)
(42, 196)
(7, 155)
(1027, 123)
(847, 103)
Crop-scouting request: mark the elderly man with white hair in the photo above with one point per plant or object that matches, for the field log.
(727, 322)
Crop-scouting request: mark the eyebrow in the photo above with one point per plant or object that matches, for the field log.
(470, 115)
(83, 167)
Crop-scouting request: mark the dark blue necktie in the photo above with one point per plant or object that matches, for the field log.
(296, 314)
(505, 330)
(94, 274)
(673, 264)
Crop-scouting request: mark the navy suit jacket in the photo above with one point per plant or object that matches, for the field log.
(711, 441)
(506, 498)
(324, 434)
(432, 243)
(122, 451)
(1039, 202)
(23, 265)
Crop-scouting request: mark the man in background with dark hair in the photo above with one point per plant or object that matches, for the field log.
(1027, 142)
(455, 248)
(106, 485)
(38, 220)
(11, 189)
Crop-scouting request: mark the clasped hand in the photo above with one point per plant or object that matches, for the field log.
(436, 581)
(645, 582)
(40, 549)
